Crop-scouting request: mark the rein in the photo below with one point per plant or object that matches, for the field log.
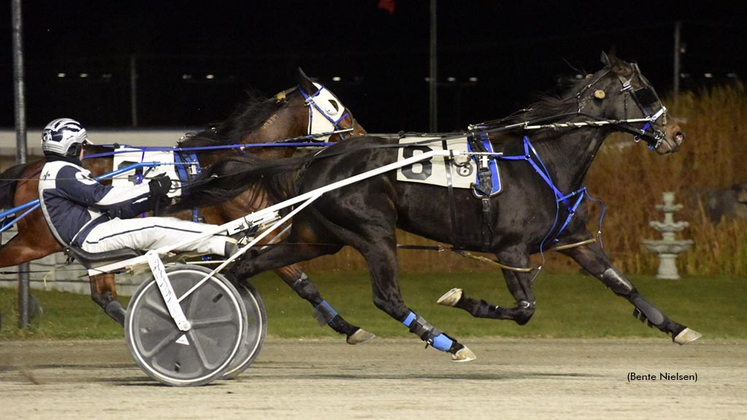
(290, 142)
(645, 98)
(322, 94)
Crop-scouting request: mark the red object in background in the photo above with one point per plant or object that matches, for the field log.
(387, 5)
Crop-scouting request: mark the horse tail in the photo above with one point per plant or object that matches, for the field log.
(8, 183)
(231, 177)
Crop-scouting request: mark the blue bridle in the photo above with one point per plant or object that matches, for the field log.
(539, 166)
(310, 101)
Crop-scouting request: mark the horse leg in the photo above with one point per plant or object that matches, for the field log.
(284, 257)
(380, 253)
(323, 312)
(104, 292)
(519, 284)
(592, 258)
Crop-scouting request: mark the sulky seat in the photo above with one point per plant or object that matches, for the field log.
(91, 259)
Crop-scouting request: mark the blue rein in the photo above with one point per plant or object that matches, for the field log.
(241, 147)
(34, 204)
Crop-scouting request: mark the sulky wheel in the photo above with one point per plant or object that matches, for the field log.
(195, 357)
(255, 334)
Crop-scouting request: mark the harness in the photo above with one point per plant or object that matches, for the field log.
(483, 189)
(645, 98)
(560, 197)
(647, 101)
(182, 161)
(325, 103)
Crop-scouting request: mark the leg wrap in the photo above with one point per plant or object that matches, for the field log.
(427, 332)
(324, 313)
(115, 310)
(617, 282)
(341, 326)
(646, 311)
(304, 288)
(481, 308)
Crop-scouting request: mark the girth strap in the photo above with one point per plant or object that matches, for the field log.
(187, 167)
(485, 176)
(452, 203)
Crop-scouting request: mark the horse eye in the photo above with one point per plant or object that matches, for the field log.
(333, 107)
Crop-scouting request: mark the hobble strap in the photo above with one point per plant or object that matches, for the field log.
(487, 220)
(427, 332)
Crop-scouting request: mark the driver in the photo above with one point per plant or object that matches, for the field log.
(84, 213)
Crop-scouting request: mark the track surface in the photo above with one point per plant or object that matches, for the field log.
(387, 379)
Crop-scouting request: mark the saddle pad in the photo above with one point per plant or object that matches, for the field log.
(434, 171)
(175, 167)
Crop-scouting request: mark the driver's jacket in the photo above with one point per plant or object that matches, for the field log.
(73, 202)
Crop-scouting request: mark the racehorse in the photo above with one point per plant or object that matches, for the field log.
(542, 205)
(308, 111)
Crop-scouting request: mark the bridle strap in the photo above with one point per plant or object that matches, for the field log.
(309, 101)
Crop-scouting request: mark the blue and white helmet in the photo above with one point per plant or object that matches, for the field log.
(64, 136)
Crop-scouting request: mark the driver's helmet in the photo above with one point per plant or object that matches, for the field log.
(64, 137)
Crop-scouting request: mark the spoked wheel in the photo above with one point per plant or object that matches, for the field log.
(195, 357)
(256, 330)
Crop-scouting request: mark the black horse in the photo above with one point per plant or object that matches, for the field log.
(542, 204)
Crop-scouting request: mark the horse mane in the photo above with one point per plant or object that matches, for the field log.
(232, 176)
(246, 119)
(9, 181)
(548, 105)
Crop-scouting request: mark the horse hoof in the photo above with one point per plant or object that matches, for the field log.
(360, 336)
(451, 297)
(463, 355)
(687, 336)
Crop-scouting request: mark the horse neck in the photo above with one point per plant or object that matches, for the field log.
(569, 155)
(99, 165)
(288, 122)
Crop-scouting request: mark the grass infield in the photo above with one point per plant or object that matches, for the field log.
(567, 306)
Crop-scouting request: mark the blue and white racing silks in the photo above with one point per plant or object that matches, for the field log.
(73, 202)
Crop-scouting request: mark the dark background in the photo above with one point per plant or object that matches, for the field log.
(514, 49)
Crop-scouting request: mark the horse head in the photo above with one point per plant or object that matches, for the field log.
(328, 119)
(621, 93)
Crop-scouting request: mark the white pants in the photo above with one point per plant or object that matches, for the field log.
(151, 233)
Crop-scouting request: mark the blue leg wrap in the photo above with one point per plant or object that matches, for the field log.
(442, 342)
(427, 332)
(324, 313)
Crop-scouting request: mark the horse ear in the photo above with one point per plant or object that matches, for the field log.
(610, 60)
(605, 60)
(304, 81)
(617, 65)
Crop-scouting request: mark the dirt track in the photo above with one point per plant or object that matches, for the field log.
(387, 379)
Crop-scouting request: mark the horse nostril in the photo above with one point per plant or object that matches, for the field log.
(679, 137)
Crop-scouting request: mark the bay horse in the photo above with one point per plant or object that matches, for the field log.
(542, 204)
(306, 112)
